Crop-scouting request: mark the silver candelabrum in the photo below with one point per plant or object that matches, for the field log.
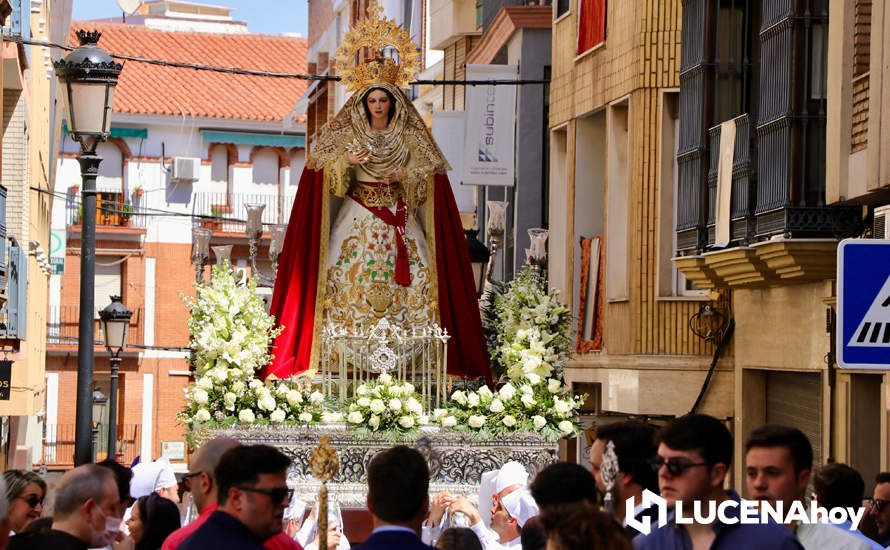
(496, 226)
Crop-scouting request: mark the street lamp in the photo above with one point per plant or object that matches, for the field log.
(115, 319)
(479, 255)
(99, 401)
(87, 77)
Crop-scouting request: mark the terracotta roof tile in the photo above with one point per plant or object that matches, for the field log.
(155, 90)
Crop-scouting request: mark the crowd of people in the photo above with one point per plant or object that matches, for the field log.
(243, 500)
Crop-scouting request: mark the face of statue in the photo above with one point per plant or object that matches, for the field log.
(378, 103)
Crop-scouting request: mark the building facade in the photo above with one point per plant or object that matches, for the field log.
(181, 156)
(614, 122)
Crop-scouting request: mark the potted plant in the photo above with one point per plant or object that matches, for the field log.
(126, 213)
(217, 211)
(138, 192)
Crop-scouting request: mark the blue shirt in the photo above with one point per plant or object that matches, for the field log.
(848, 527)
(221, 531)
(726, 536)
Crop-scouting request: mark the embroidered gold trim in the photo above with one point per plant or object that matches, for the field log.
(377, 195)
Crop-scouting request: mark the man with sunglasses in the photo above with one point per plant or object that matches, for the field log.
(778, 463)
(252, 494)
(880, 508)
(693, 458)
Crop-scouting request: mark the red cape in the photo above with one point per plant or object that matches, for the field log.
(294, 298)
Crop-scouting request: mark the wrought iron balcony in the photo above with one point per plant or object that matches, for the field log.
(63, 322)
(225, 212)
(112, 210)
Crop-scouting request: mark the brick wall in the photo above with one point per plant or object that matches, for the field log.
(321, 14)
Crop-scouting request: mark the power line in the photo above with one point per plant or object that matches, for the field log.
(270, 74)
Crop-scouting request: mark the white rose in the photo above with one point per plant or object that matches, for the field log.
(561, 407)
(377, 406)
(361, 390)
(497, 406)
(374, 422)
(414, 405)
(396, 391)
(229, 400)
(408, 388)
(363, 402)
(449, 422)
(305, 417)
(439, 413)
(281, 390)
(526, 389)
(238, 387)
(355, 417)
(566, 427)
(539, 421)
(332, 417)
(267, 403)
(277, 416)
(406, 422)
(220, 374)
(484, 393)
(423, 419)
(202, 415)
(246, 416)
(476, 421)
(255, 383)
(507, 391)
(205, 383)
(528, 400)
(316, 397)
(200, 396)
(385, 379)
(554, 385)
(473, 400)
(459, 397)
(294, 398)
(395, 404)
(533, 378)
(509, 421)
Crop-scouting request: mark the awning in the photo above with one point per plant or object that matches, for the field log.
(253, 138)
(118, 132)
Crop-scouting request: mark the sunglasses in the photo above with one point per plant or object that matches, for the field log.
(187, 479)
(32, 500)
(675, 466)
(277, 494)
(877, 503)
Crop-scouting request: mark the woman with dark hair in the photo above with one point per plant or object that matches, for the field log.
(153, 519)
(25, 492)
(458, 538)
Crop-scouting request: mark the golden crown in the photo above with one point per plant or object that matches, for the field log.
(375, 34)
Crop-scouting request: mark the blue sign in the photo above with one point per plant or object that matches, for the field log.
(863, 304)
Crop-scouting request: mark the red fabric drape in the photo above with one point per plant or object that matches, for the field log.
(296, 285)
(458, 305)
(294, 296)
(591, 24)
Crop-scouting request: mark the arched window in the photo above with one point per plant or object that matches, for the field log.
(219, 167)
(265, 168)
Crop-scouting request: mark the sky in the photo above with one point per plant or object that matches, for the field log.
(262, 16)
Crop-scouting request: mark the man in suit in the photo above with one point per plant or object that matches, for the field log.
(398, 499)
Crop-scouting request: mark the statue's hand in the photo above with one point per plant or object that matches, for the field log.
(394, 175)
(359, 157)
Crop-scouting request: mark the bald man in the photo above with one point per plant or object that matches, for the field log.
(202, 485)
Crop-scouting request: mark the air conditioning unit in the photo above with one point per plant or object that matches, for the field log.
(880, 228)
(186, 168)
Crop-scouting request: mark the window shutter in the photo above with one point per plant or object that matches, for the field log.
(17, 310)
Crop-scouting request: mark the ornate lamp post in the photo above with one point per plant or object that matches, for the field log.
(115, 319)
(87, 77)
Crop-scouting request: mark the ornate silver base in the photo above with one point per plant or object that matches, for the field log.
(456, 460)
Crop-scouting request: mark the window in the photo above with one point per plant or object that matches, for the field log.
(591, 24)
(562, 8)
(265, 167)
(108, 281)
(219, 167)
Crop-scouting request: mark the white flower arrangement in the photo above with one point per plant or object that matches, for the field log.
(517, 406)
(385, 404)
(527, 328)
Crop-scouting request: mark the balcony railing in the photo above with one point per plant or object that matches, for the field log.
(111, 210)
(63, 322)
(58, 444)
(230, 215)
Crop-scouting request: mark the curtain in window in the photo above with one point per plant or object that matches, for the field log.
(591, 24)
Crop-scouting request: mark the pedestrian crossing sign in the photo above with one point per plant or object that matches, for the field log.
(863, 304)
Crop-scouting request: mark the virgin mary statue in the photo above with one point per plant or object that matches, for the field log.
(374, 231)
